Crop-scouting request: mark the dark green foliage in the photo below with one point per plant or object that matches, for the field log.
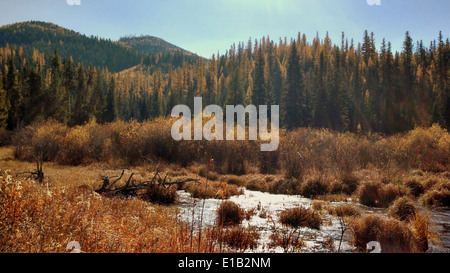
(3, 107)
(47, 38)
(291, 101)
(95, 51)
(151, 45)
(110, 113)
(259, 87)
(48, 71)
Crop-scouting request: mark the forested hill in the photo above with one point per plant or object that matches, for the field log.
(151, 45)
(347, 86)
(116, 56)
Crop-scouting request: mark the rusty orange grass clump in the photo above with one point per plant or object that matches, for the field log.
(395, 236)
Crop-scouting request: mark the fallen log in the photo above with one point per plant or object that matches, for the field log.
(132, 185)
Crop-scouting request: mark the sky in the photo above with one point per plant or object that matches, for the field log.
(207, 27)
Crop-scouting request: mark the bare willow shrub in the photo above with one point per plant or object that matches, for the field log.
(74, 146)
(99, 141)
(315, 186)
(292, 157)
(159, 139)
(238, 153)
(345, 150)
(428, 148)
(268, 162)
(5, 137)
(128, 141)
(40, 139)
(367, 153)
(214, 149)
(85, 144)
(318, 149)
(136, 142)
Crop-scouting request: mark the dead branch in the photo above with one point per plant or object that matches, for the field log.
(343, 227)
(132, 185)
(106, 180)
(37, 174)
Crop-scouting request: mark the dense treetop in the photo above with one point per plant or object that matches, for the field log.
(48, 38)
(345, 87)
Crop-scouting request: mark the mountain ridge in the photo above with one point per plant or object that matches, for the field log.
(149, 44)
(91, 50)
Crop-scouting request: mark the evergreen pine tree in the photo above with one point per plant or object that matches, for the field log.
(110, 112)
(3, 106)
(291, 104)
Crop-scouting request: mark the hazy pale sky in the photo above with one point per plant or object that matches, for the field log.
(208, 26)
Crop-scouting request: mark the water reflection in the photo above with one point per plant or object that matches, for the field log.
(267, 207)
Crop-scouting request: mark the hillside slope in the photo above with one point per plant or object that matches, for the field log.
(116, 56)
(48, 38)
(151, 45)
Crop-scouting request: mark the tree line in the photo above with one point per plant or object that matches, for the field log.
(344, 87)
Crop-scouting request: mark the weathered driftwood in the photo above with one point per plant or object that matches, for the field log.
(132, 185)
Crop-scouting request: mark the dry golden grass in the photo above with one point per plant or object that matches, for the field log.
(35, 218)
(300, 152)
(212, 189)
(229, 213)
(395, 236)
(240, 238)
(320, 164)
(288, 239)
(345, 210)
(45, 217)
(377, 194)
(403, 209)
(301, 217)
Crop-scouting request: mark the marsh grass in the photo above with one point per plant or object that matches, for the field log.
(241, 238)
(403, 209)
(301, 217)
(36, 218)
(300, 152)
(315, 163)
(290, 240)
(229, 214)
(395, 236)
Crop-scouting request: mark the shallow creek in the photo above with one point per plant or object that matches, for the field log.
(267, 207)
